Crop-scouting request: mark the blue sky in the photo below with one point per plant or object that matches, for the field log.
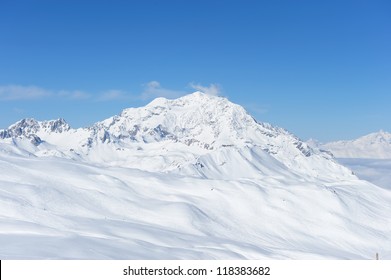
(320, 69)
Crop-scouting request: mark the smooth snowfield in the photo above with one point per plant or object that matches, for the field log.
(190, 178)
(58, 208)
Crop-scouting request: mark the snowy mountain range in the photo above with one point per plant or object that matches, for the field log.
(375, 145)
(198, 135)
(195, 177)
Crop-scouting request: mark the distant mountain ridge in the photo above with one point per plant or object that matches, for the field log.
(374, 145)
(191, 135)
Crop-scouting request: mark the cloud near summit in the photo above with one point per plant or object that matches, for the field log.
(153, 89)
(212, 89)
(150, 90)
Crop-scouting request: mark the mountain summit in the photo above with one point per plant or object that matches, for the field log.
(197, 135)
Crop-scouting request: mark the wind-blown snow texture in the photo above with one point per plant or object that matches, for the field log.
(191, 178)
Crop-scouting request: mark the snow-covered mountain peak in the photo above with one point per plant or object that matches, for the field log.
(201, 119)
(24, 124)
(29, 127)
(180, 135)
(199, 97)
(189, 101)
(376, 137)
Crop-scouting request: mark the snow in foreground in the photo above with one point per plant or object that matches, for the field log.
(52, 208)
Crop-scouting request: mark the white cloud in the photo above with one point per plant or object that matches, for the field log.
(75, 94)
(153, 89)
(113, 95)
(153, 84)
(212, 89)
(16, 92)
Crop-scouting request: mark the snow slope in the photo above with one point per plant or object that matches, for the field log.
(191, 178)
(59, 208)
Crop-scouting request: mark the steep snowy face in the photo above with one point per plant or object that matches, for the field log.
(374, 145)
